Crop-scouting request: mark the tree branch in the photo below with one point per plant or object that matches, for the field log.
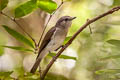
(13, 19)
(74, 36)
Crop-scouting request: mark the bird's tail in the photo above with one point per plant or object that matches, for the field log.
(38, 60)
(35, 66)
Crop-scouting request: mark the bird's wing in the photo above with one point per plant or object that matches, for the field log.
(46, 39)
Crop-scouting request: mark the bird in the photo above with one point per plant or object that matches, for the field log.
(53, 39)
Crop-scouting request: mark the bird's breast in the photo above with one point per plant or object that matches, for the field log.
(57, 38)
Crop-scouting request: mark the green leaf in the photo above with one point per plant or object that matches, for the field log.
(1, 51)
(18, 48)
(32, 77)
(67, 39)
(113, 71)
(2, 42)
(25, 8)
(111, 57)
(54, 76)
(47, 5)
(5, 75)
(62, 56)
(3, 4)
(116, 2)
(114, 42)
(20, 71)
(18, 36)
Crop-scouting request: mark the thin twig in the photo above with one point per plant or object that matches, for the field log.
(13, 19)
(49, 21)
(44, 30)
(74, 36)
(58, 7)
(90, 27)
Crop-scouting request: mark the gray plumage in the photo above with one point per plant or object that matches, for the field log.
(53, 39)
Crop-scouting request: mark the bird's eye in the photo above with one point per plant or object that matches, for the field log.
(66, 19)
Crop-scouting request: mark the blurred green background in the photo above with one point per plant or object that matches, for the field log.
(98, 55)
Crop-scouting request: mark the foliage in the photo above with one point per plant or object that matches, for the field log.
(67, 39)
(3, 4)
(5, 75)
(114, 42)
(89, 47)
(28, 7)
(18, 48)
(1, 51)
(113, 71)
(18, 36)
(25, 9)
(48, 5)
(116, 2)
(62, 56)
(23, 39)
(52, 76)
(22, 75)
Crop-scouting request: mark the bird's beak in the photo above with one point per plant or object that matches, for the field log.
(72, 18)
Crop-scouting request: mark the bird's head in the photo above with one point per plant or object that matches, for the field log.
(65, 21)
